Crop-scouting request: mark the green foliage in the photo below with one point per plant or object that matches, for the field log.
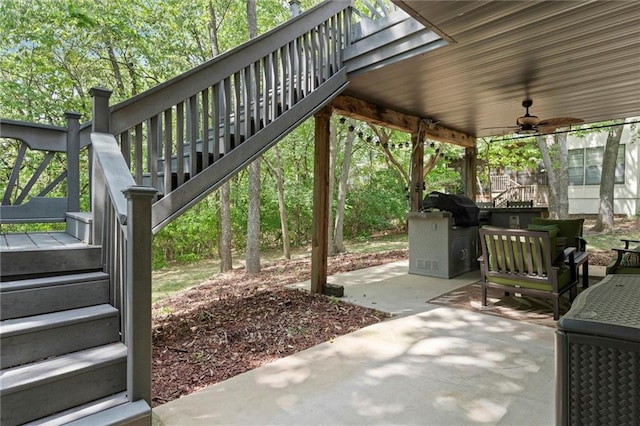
(190, 237)
(379, 204)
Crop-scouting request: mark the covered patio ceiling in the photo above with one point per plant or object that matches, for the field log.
(573, 58)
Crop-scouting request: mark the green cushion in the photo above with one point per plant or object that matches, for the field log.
(557, 241)
(568, 228)
(538, 227)
(632, 260)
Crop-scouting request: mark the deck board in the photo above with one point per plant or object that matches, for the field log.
(38, 240)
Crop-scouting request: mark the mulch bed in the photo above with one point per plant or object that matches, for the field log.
(235, 322)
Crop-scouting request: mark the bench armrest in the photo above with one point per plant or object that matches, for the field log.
(621, 252)
(627, 241)
(581, 243)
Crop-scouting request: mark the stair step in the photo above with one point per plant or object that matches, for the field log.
(19, 264)
(36, 390)
(112, 410)
(137, 413)
(79, 225)
(30, 339)
(22, 298)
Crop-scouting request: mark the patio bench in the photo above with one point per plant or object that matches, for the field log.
(627, 260)
(527, 262)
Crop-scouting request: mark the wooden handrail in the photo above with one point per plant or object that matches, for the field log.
(122, 225)
(137, 109)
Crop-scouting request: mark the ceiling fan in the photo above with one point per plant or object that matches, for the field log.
(530, 124)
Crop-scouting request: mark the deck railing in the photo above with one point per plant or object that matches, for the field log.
(28, 195)
(122, 225)
(177, 130)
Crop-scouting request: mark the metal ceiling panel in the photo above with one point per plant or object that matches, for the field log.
(573, 58)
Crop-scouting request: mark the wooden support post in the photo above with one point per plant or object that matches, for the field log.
(73, 161)
(417, 171)
(470, 172)
(320, 242)
(99, 124)
(138, 292)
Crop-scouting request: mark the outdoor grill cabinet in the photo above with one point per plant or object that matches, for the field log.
(598, 355)
(512, 217)
(439, 249)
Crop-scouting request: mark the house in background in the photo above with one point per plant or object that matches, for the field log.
(585, 169)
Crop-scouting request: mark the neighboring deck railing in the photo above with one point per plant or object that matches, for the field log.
(29, 191)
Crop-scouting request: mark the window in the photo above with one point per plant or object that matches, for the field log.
(593, 158)
(576, 167)
(585, 165)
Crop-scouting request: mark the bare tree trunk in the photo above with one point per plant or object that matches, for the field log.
(343, 189)
(213, 30)
(607, 182)
(555, 146)
(253, 221)
(116, 68)
(278, 173)
(562, 200)
(224, 228)
(384, 136)
(432, 161)
(224, 212)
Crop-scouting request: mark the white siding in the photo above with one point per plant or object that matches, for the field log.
(583, 199)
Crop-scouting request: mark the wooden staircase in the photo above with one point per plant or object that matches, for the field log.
(74, 350)
(61, 357)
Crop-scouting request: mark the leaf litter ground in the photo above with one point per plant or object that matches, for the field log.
(235, 322)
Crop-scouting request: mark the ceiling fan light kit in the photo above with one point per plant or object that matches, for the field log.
(530, 124)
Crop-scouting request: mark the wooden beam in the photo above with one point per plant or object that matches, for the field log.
(320, 241)
(417, 168)
(382, 116)
(376, 114)
(470, 173)
(443, 134)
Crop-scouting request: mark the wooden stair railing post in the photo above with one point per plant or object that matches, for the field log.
(73, 161)
(101, 117)
(99, 193)
(138, 292)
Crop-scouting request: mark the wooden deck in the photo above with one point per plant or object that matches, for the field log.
(38, 241)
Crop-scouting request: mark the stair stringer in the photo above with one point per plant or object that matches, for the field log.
(211, 178)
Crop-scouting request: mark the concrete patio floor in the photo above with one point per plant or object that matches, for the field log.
(430, 365)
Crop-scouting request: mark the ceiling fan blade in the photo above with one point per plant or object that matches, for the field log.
(501, 131)
(546, 130)
(559, 122)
